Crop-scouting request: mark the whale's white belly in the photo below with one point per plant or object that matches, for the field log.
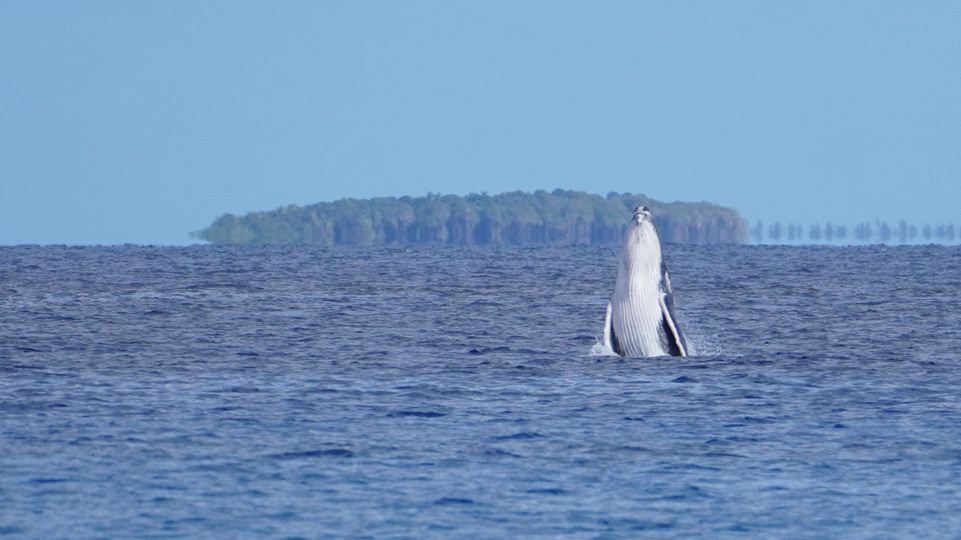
(638, 321)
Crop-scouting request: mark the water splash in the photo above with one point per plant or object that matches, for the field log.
(599, 349)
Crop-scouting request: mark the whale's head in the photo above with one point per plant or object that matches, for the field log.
(642, 213)
(641, 244)
(643, 223)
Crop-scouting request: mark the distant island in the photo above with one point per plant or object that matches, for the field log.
(558, 217)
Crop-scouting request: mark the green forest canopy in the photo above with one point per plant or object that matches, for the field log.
(559, 217)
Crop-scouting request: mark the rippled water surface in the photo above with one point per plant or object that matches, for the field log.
(450, 393)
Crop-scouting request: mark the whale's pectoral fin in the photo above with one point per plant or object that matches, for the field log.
(610, 338)
(676, 345)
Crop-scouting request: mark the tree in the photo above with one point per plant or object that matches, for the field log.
(774, 233)
(757, 232)
(885, 232)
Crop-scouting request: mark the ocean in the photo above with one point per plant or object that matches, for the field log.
(451, 392)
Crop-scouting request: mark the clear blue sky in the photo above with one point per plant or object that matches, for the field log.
(142, 121)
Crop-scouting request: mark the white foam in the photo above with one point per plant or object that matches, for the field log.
(599, 349)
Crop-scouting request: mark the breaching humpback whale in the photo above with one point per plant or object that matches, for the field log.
(640, 317)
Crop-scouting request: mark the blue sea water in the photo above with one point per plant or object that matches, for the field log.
(439, 392)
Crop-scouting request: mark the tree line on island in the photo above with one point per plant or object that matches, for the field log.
(862, 233)
(558, 217)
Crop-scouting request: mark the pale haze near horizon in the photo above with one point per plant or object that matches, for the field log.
(139, 122)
